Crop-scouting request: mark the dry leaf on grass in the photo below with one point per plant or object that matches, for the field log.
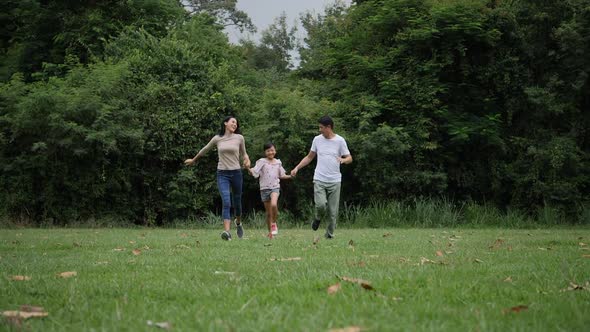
(68, 274)
(439, 253)
(586, 256)
(348, 329)
(23, 314)
(581, 244)
(497, 244)
(508, 279)
(20, 278)
(387, 235)
(574, 287)
(136, 252)
(162, 325)
(334, 288)
(286, 259)
(316, 240)
(424, 260)
(132, 242)
(31, 308)
(516, 309)
(365, 284)
(119, 249)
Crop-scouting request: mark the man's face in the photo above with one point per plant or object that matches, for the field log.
(325, 130)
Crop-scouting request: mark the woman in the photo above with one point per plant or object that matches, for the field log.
(230, 147)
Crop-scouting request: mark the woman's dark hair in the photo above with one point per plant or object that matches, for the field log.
(227, 118)
(326, 121)
(268, 146)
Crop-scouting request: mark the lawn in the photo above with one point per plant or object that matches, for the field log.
(411, 279)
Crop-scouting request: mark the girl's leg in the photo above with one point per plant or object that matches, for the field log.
(268, 210)
(274, 205)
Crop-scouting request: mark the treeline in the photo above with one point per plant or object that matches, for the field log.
(471, 101)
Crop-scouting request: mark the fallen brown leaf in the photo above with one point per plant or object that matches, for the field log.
(20, 278)
(439, 253)
(23, 314)
(136, 252)
(508, 279)
(348, 329)
(132, 242)
(424, 260)
(334, 288)
(581, 244)
(516, 309)
(497, 244)
(387, 235)
(286, 259)
(574, 287)
(31, 308)
(365, 284)
(67, 274)
(162, 325)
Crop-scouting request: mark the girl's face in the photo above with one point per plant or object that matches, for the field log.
(231, 125)
(270, 152)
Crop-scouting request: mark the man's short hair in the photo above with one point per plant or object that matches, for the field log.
(326, 121)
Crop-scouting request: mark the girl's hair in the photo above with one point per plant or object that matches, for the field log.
(269, 145)
(227, 118)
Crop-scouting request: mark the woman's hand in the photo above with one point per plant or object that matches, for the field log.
(247, 163)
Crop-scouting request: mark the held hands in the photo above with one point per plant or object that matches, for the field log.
(294, 172)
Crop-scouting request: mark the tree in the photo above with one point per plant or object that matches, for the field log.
(225, 11)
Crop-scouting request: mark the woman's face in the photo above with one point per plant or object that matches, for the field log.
(231, 125)
(270, 152)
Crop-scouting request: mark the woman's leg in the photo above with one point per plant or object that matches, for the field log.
(236, 187)
(223, 184)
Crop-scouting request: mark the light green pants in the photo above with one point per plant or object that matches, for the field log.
(327, 200)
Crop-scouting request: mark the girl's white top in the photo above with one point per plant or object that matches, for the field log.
(268, 173)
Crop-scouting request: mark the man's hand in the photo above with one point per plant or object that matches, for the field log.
(189, 162)
(294, 172)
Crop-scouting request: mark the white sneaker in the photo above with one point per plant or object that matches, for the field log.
(274, 229)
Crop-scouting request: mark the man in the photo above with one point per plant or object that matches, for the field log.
(332, 151)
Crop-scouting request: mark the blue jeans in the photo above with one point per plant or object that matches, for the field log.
(229, 183)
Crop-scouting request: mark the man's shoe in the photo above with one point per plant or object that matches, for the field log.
(226, 236)
(315, 224)
(328, 236)
(239, 230)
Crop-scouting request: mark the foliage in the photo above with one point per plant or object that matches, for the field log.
(465, 101)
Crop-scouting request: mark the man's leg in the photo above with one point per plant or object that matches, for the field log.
(333, 198)
(320, 201)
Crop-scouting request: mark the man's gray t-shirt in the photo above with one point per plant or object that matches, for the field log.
(327, 151)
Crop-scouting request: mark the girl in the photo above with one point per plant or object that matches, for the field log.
(270, 171)
(230, 147)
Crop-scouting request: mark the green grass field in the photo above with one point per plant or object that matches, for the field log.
(418, 279)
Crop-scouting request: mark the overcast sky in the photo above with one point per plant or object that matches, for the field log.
(263, 13)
